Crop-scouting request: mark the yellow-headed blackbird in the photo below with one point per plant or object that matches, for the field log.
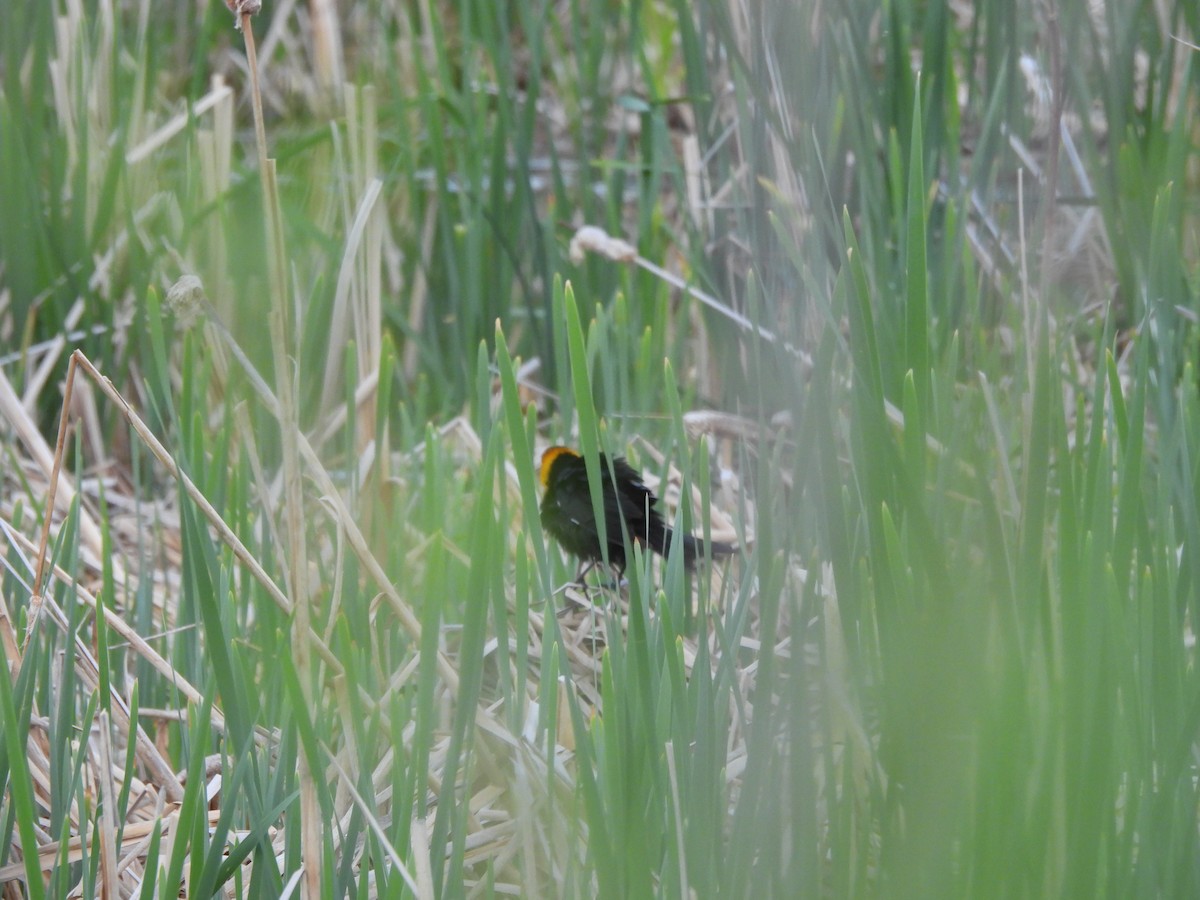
(567, 512)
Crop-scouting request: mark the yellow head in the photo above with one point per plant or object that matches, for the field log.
(548, 458)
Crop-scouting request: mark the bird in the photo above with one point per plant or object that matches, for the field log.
(567, 514)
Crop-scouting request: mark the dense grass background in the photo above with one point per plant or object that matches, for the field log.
(923, 338)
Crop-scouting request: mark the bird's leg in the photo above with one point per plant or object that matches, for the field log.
(582, 573)
(615, 570)
(617, 573)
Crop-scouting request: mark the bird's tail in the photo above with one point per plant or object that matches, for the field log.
(695, 548)
(659, 537)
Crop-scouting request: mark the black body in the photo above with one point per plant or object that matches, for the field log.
(567, 513)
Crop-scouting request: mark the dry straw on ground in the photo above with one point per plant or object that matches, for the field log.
(510, 777)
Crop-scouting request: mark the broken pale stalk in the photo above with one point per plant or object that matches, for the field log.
(51, 495)
(296, 565)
